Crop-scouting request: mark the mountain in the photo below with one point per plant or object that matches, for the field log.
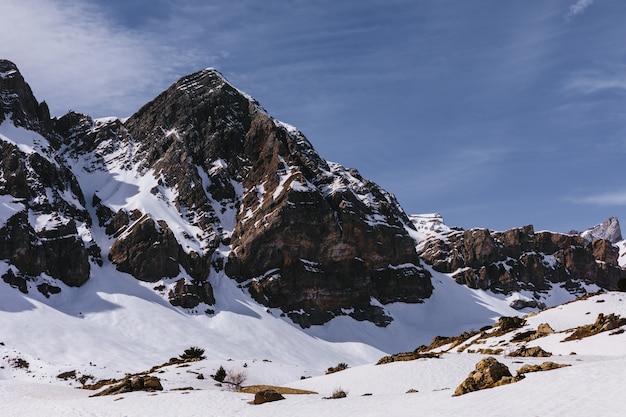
(201, 179)
(201, 221)
(202, 182)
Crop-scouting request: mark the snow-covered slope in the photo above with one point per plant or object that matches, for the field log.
(114, 336)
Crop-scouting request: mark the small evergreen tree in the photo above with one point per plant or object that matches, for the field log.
(220, 374)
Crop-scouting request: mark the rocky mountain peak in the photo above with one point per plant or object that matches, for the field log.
(608, 230)
(234, 189)
(17, 101)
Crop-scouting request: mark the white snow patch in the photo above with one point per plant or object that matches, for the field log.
(8, 207)
(26, 140)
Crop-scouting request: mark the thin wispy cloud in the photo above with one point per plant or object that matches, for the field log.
(593, 82)
(617, 198)
(88, 63)
(579, 7)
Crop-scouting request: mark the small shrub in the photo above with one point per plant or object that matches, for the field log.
(220, 374)
(20, 363)
(84, 378)
(340, 367)
(193, 352)
(338, 393)
(67, 375)
(236, 378)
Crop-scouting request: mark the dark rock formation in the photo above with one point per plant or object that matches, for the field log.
(253, 197)
(489, 373)
(18, 102)
(147, 250)
(190, 295)
(43, 235)
(520, 259)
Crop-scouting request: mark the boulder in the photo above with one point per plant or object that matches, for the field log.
(544, 329)
(535, 352)
(133, 383)
(266, 396)
(489, 373)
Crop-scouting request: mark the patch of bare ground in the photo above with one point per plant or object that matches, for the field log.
(546, 366)
(253, 389)
(406, 356)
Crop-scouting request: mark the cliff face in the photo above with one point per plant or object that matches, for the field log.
(44, 228)
(522, 260)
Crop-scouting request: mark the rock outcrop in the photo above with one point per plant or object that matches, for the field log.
(133, 383)
(489, 373)
(546, 366)
(522, 259)
(47, 231)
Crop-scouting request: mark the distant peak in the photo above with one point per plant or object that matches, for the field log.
(608, 229)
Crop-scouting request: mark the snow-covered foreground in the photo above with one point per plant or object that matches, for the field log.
(116, 325)
(590, 387)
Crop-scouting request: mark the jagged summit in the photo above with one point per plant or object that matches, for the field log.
(17, 100)
(608, 229)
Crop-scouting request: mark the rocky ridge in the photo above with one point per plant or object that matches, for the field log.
(519, 260)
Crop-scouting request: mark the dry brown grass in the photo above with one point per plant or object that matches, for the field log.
(253, 389)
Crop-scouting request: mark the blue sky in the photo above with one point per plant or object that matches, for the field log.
(494, 113)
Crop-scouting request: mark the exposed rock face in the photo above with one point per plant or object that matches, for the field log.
(607, 230)
(190, 295)
(489, 373)
(520, 259)
(48, 232)
(147, 250)
(18, 102)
